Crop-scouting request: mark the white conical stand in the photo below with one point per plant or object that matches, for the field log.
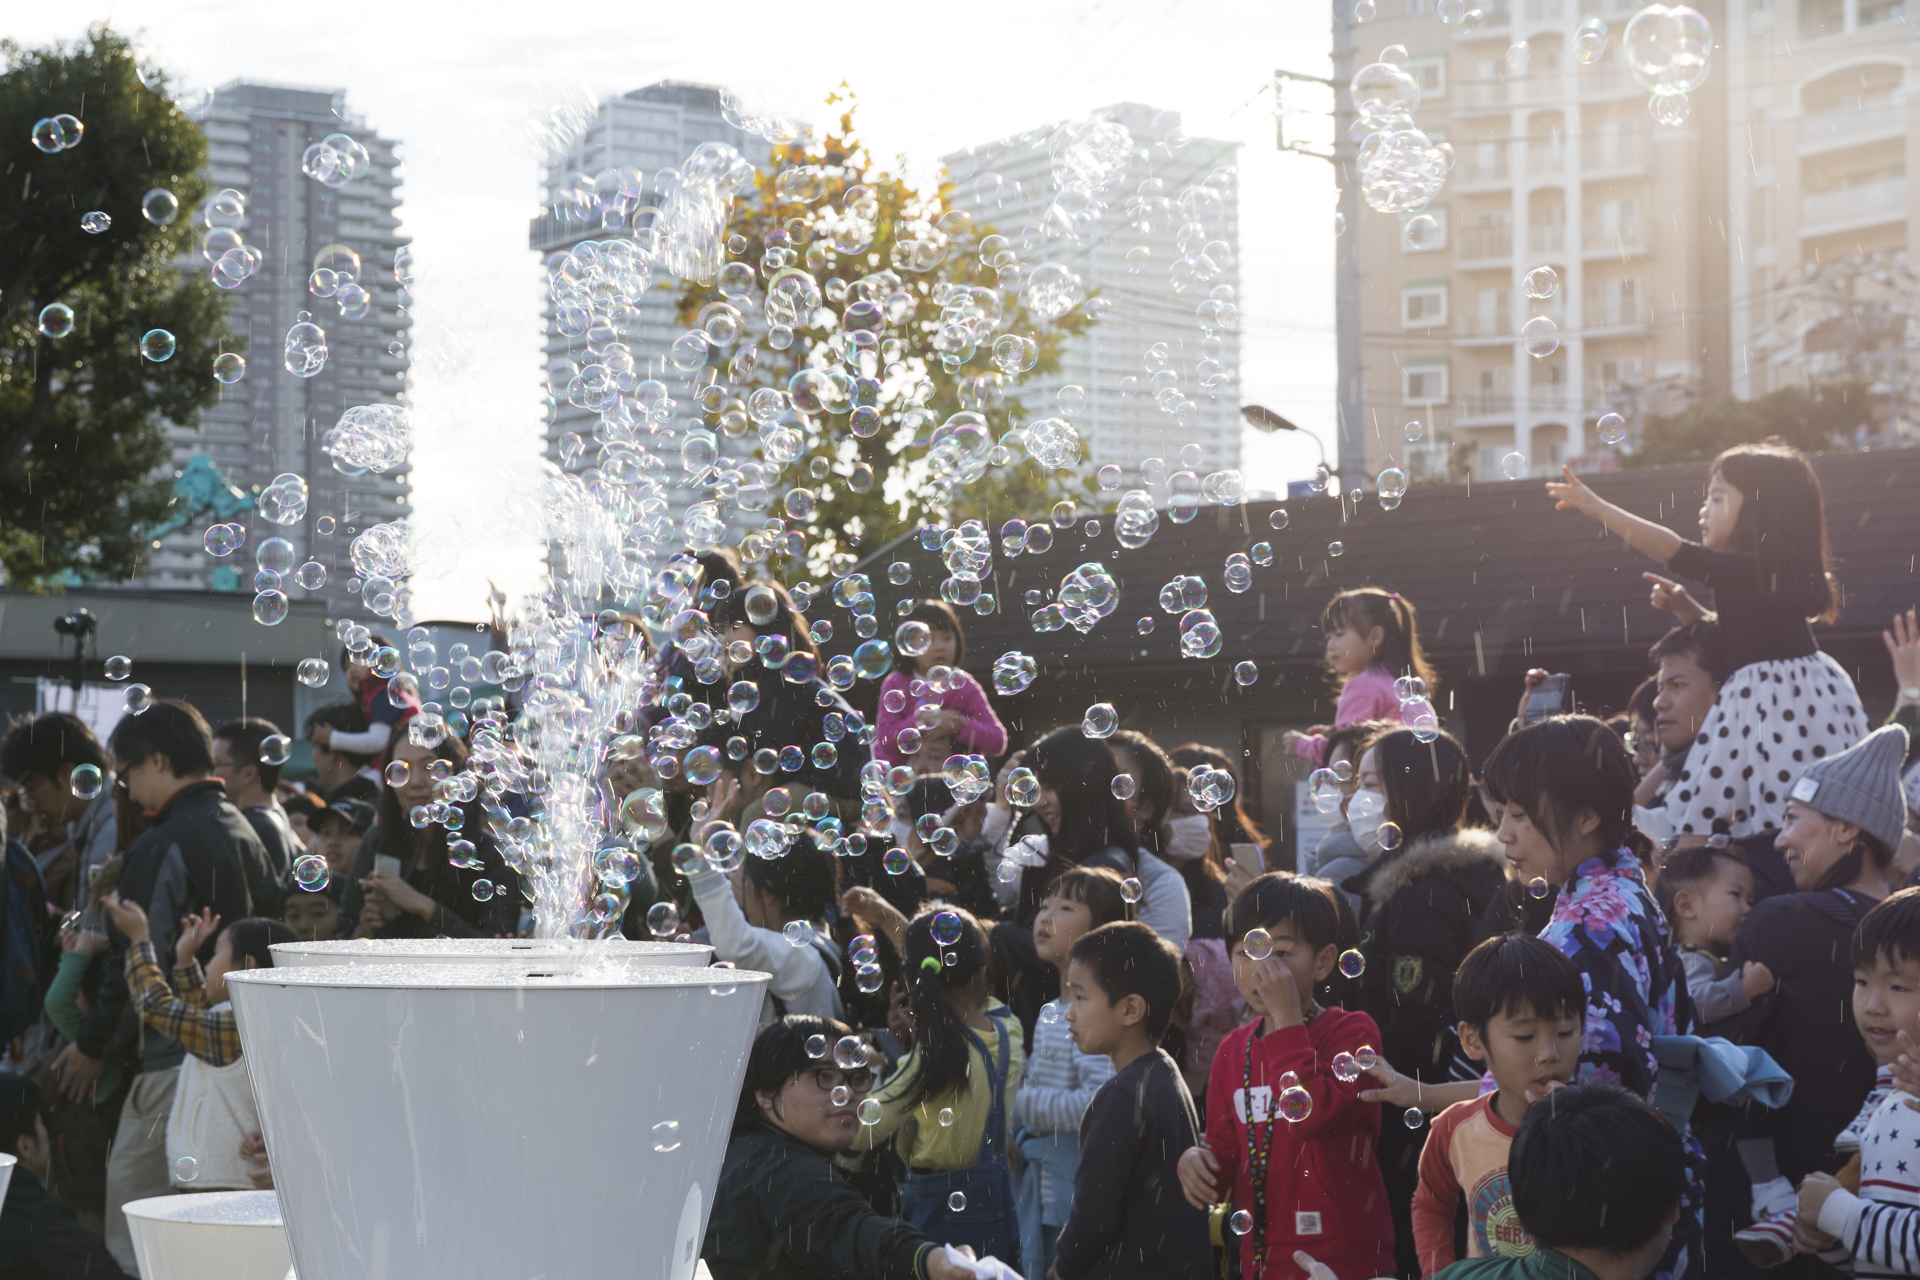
(563, 1116)
(214, 1235)
(482, 950)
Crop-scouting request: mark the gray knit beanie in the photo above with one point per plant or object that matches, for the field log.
(1861, 785)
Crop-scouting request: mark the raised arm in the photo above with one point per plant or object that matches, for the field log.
(1644, 536)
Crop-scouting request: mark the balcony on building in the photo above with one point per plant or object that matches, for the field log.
(1617, 240)
(1854, 206)
(1614, 153)
(1605, 317)
(1852, 124)
(1485, 165)
(1489, 245)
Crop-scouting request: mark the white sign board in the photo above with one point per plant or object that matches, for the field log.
(100, 705)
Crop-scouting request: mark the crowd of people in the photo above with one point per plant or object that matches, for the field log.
(1077, 1015)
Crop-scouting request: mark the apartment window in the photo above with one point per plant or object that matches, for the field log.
(1623, 372)
(1424, 238)
(1431, 75)
(1618, 220)
(1423, 306)
(1492, 311)
(1763, 215)
(1423, 384)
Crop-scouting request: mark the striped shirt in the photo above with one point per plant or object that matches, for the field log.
(1881, 1225)
(1059, 1085)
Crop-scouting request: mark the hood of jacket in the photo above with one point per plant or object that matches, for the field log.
(1463, 852)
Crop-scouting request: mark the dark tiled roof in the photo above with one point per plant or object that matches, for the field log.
(1495, 572)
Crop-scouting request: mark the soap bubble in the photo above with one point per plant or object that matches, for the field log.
(86, 781)
(946, 928)
(310, 872)
(1590, 41)
(1295, 1105)
(869, 1111)
(1124, 786)
(1612, 428)
(160, 206)
(1414, 1117)
(56, 320)
(957, 1201)
(483, 890)
(95, 222)
(119, 667)
(913, 638)
(1668, 48)
(1258, 944)
(1013, 671)
(1387, 835)
(663, 921)
(229, 367)
(1541, 282)
(1352, 963)
(1245, 673)
(311, 576)
(1132, 890)
(1414, 432)
(666, 1136)
(157, 345)
(1514, 466)
(313, 672)
(1366, 1058)
(849, 1053)
(1278, 520)
(816, 1046)
(275, 748)
(1100, 720)
(304, 353)
(1023, 788)
(1240, 1223)
(1538, 887)
(946, 1117)
(1053, 290)
(223, 539)
(1670, 109)
(1422, 231)
(1336, 548)
(798, 933)
(270, 608)
(186, 1169)
(1541, 337)
(1345, 1069)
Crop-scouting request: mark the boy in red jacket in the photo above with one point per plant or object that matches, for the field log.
(1288, 1140)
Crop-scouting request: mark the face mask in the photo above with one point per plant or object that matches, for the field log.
(1365, 809)
(1189, 838)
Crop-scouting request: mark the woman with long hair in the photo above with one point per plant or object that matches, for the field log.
(1083, 823)
(451, 883)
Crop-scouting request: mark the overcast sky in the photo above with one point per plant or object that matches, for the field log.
(460, 86)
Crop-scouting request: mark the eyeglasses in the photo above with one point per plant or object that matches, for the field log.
(827, 1079)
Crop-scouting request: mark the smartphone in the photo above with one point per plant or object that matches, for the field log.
(1247, 858)
(1551, 697)
(391, 865)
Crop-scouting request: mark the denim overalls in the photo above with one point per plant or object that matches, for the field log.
(988, 1221)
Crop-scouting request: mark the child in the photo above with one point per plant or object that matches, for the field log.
(951, 1097)
(1372, 640)
(387, 710)
(1598, 1177)
(314, 914)
(213, 1108)
(1763, 550)
(1872, 1210)
(1060, 1078)
(1706, 893)
(337, 839)
(1521, 1007)
(1288, 1139)
(1129, 1217)
(749, 910)
(930, 694)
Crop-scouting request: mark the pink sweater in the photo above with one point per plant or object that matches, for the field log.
(1367, 696)
(983, 734)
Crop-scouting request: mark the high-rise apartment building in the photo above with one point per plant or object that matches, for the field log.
(1822, 131)
(1557, 164)
(652, 129)
(270, 421)
(1121, 423)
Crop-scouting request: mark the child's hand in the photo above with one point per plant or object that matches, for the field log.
(1549, 1087)
(1274, 990)
(1814, 1190)
(1396, 1090)
(1903, 646)
(1287, 740)
(194, 930)
(1906, 1067)
(1755, 979)
(128, 917)
(1572, 494)
(1199, 1177)
(1315, 1269)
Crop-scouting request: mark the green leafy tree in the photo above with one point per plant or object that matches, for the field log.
(82, 417)
(878, 485)
(1813, 420)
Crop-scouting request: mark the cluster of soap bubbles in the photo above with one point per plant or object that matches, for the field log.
(1401, 168)
(1209, 788)
(370, 437)
(284, 500)
(57, 133)
(1669, 49)
(336, 160)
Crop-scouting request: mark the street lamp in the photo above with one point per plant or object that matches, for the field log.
(1263, 419)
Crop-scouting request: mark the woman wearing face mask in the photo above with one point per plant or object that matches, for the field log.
(1429, 894)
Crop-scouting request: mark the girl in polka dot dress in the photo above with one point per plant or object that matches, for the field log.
(1763, 551)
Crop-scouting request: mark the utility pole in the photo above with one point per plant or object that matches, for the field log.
(1351, 455)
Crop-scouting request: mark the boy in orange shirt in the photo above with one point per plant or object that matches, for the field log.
(1522, 1008)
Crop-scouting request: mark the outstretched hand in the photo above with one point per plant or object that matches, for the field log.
(1574, 494)
(1903, 646)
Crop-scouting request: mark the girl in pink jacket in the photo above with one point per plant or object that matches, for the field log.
(929, 707)
(1373, 639)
